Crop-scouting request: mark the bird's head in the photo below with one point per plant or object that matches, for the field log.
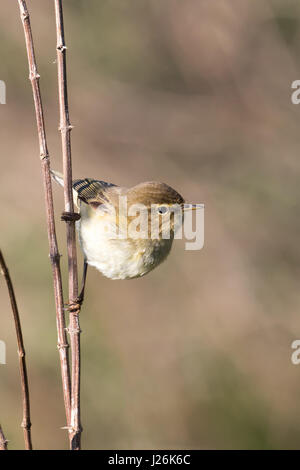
(162, 206)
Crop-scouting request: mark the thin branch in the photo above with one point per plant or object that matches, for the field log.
(74, 305)
(53, 247)
(3, 441)
(26, 423)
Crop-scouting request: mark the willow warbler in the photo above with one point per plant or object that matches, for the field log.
(104, 235)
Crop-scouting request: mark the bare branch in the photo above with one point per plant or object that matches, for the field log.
(53, 247)
(74, 305)
(26, 423)
(3, 441)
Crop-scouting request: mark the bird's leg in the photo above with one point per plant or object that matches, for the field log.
(76, 306)
(83, 282)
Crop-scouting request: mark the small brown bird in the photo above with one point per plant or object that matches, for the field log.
(109, 237)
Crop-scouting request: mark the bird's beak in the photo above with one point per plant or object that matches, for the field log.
(192, 207)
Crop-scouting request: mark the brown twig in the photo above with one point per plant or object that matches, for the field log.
(53, 247)
(74, 305)
(3, 441)
(26, 423)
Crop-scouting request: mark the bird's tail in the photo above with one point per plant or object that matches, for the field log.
(59, 178)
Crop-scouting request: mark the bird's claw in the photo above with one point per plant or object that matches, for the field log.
(75, 305)
(70, 216)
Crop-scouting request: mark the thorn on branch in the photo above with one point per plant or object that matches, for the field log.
(34, 76)
(61, 47)
(26, 425)
(62, 345)
(54, 257)
(65, 128)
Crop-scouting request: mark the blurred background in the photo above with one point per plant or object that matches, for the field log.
(196, 94)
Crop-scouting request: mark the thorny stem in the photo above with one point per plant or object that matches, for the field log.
(74, 305)
(3, 441)
(53, 247)
(26, 423)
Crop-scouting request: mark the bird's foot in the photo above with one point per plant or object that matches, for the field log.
(70, 216)
(75, 305)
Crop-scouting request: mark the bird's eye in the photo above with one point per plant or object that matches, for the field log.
(163, 209)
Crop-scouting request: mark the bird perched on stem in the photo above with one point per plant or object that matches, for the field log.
(113, 239)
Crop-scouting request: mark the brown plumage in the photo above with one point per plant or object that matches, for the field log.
(128, 256)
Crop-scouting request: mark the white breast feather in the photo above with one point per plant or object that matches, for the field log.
(117, 258)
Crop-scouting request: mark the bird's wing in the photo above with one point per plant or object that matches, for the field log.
(88, 190)
(93, 192)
